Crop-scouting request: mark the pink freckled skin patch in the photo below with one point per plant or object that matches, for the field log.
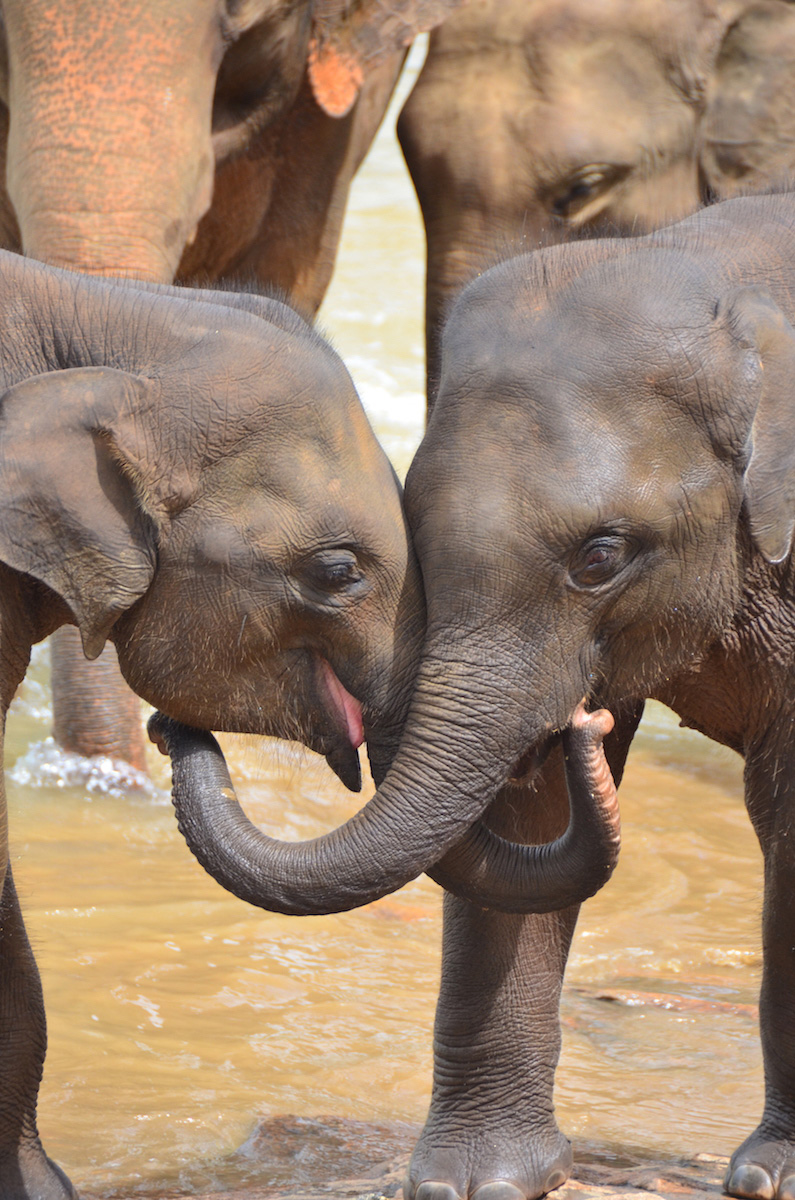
(336, 78)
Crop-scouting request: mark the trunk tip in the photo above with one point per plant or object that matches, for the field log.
(598, 723)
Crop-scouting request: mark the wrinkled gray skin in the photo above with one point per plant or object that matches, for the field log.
(190, 475)
(603, 505)
(533, 121)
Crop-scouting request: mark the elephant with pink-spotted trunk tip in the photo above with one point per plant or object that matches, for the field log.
(190, 139)
(603, 506)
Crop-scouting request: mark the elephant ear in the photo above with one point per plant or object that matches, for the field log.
(760, 326)
(74, 510)
(747, 135)
(351, 36)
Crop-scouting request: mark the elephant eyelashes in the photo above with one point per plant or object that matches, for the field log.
(600, 559)
(330, 571)
(583, 187)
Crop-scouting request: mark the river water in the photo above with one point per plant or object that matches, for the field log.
(179, 1017)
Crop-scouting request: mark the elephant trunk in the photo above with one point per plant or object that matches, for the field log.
(491, 872)
(418, 814)
(109, 189)
(390, 841)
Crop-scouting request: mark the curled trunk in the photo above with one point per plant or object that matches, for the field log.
(490, 871)
(396, 836)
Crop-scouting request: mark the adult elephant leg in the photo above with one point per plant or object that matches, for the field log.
(109, 169)
(278, 210)
(764, 1165)
(94, 711)
(491, 1131)
(25, 1169)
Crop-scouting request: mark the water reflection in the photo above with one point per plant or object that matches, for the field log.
(178, 1016)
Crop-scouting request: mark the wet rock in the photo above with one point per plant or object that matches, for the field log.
(304, 1151)
(595, 1175)
(302, 1158)
(672, 1002)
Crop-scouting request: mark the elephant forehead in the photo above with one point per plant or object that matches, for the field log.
(601, 476)
(559, 492)
(596, 320)
(279, 497)
(237, 378)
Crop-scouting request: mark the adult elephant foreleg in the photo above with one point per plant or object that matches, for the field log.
(764, 1165)
(491, 1131)
(25, 1169)
(94, 711)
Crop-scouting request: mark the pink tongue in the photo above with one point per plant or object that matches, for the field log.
(346, 705)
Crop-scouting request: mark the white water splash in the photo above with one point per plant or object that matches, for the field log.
(46, 765)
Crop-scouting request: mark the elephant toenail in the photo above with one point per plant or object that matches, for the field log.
(786, 1189)
(430, 1190)
(555, 1180)
(750, 1181)
(497, 1189)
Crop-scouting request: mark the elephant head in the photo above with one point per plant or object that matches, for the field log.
(203, 139)
(210, 497)
(543, 121)
(606, 483)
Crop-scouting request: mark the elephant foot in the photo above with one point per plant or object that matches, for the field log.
(763, 1168)
(485, 1164)
(30, 1175)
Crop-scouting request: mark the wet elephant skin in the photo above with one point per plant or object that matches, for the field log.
(604, 505)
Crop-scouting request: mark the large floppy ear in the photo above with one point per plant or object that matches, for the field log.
(74, 511)
(348, 38)
(768, 339)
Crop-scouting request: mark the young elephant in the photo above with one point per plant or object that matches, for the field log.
(192, 476)
(604, 506)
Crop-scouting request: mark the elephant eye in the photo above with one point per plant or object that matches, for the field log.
(600, 559)
(573, 198)
(332, 571)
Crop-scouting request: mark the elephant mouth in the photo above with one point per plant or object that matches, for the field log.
(530, 763)
(491, 871)
(346, 716)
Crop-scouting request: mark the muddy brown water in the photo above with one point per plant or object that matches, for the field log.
(179, 1017)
